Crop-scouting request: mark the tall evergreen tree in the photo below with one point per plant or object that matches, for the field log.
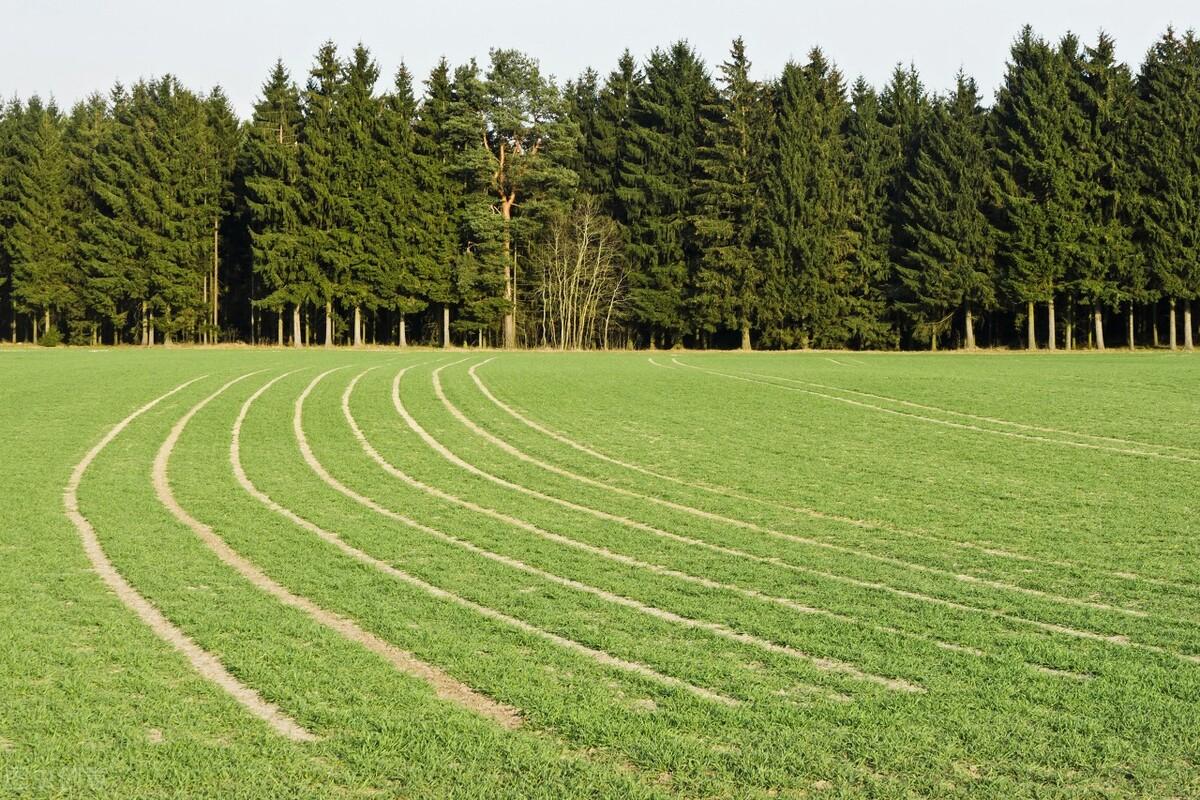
(813, 203)
(9, 117)
(729, 222)
(949, 264)
(437, 184)
(656, 188)
(1106, 270)
(220, 157)
(109, 235)
(609, 131)
(357, 166)
(1168, 138)
(39, 236)
(404, 223)
(1041, 213)
(325, 189)
(270, 168)
(871, 148)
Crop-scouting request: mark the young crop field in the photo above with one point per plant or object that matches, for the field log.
(264, 573)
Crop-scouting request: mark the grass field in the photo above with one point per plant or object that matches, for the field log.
(426, 574)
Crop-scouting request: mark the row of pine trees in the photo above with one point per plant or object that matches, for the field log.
(720, 210)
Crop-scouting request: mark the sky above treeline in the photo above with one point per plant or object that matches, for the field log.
(66, 50)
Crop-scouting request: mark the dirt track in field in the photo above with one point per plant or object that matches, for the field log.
(443, 685)
(205, 663)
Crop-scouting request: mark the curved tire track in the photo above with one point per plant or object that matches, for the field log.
(320, 471)
(442, 594)
(934, 421)
(205, 663)
(723, 491)
(446, 687)
(826, 664)
(1116, 639)
(738, 523)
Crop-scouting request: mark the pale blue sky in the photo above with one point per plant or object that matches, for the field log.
(67, 49)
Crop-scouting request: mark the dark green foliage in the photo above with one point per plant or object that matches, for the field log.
(949, 264)
(1168, 157)
(729, 223)
(786, 208)
(439, 198)
(656, 191)
(270, 167)
(39, 233)
(1032, 121)
(872, 165)
(327, 210)
(813, 204)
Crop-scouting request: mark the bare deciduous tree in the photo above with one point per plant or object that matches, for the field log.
(581, 278)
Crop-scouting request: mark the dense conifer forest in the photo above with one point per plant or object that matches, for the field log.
(663, 204)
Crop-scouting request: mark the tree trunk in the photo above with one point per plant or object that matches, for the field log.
(1031, 326)
(1187, 325)
(33, 318)
(216, 336)
(297, 340)
(279, 326)
(445, 325)
(358, 327)
(933, 341)
(1098, 321)
(150, 331)
(970, 328)
(329, 323)
(745, 336)
(403, 333)
(204, 297)
(1053, 339)
(1129, 336)
(1172, 335)
(510, 314)
(1154, 323)
(145, 325)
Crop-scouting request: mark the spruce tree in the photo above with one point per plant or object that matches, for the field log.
(1168, 137)
(270, 168)
(870, 143)
(656, 188)
(728, 225)
(904, 109)
(326, 202)
(1107, 270)
(84, 133)
(949, 263)
(109, 236)
(610, 129)
(812, 206)
(405, 226)
(438, 188)
(39, 236)
(357, 113)
(220, 157)
(1032, 135)
(10, 114)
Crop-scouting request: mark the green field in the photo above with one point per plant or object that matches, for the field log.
(473, 574)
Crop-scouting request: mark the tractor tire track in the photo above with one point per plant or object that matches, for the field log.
(207, 665)
(444, 686)
(598, 656)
